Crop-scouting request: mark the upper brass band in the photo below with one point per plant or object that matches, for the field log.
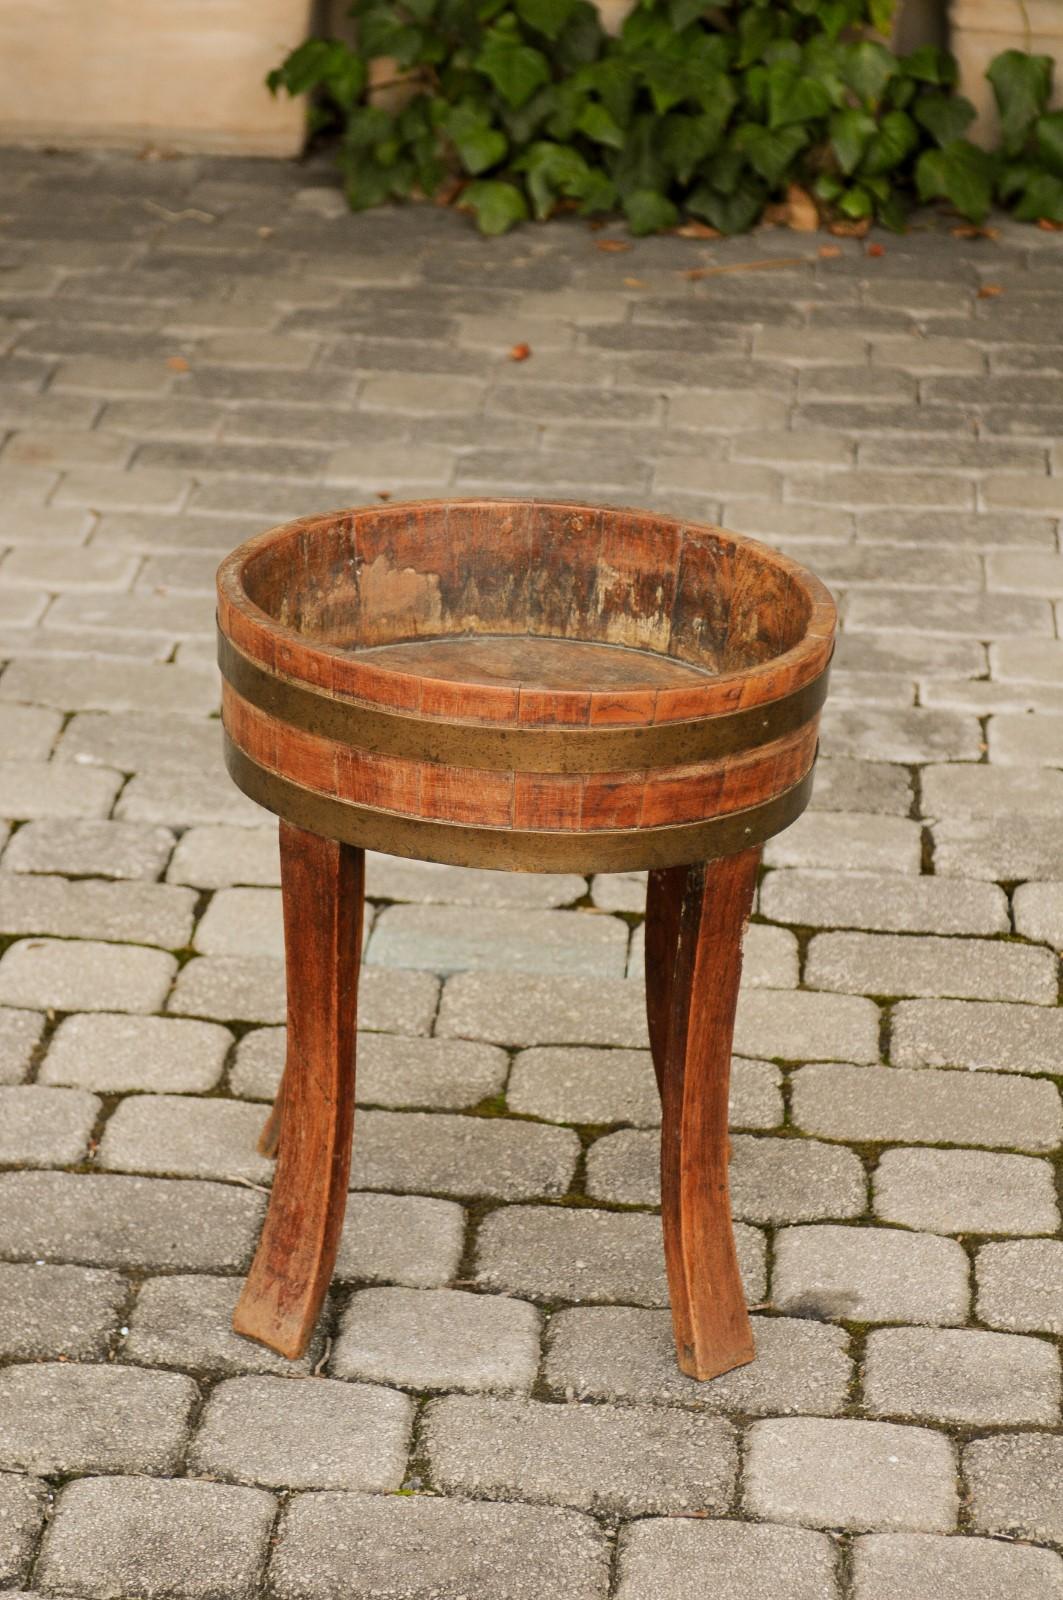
(632, 747)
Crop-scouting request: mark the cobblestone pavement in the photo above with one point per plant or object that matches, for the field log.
(192, 350)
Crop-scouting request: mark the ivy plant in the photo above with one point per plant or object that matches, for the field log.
(523, 108)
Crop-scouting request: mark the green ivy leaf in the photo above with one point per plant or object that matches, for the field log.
(850, 132)
(880, 13)
(731, 213)
(381, 33)
(1048, 133)
(867, 68)
(553, 170)
(366, 183)
(515, 68)
(681, 13)
(614, 82)
(827, 186)
(547, 17)
(1043, 199)
(324, 64)
(794, 97)
(770, 153)
(599, 126)
(960, 173)
(366, 127)
(856, 203)
(945, 117)
(1022, 85)
(756, 29)
(648, 211)
(891, 213)
(686, 141)
(895, 140)
(928, 64)
(479, 145)
(497, 206)
(581, 40)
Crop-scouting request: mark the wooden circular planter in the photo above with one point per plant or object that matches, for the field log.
(533, 686)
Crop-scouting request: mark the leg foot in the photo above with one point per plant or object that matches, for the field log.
(322, 883)
(699, 914)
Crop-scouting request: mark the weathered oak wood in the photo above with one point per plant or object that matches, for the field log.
(701, 914)
(323, 888)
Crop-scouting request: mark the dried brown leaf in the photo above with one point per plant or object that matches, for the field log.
(178, 364)
(989, 291)
(804, 214)
(611, 246)
(520, 352)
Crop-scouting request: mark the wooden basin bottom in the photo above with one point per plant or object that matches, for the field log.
(532, 662)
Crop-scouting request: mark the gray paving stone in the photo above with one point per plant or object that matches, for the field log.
(947, 613)
(444, 1074)
(251, 989)
(186, 1321)
(611, 1459)
(473, 1156)
(207, 1540)
(965, 1191)
(308, 1433)
(772, 1180)
(134, 913)
(31, 730)
(138, 741)
(661, 1557)
(953, 791)
(925, 1107)
(619, 891)
(1039, 912)
(884, 902)
(1001, 848)
(628, 1354)
(800, 1026)
(182, 800)
(562, 943)
(1020, 1285)
(847, 842)
(22, 1506)
(45, 1127)
(403, 1239)
(769, 957)
(438, 1339)
(90, 849)
(1026, 660)
(144, 1223)
(840, 1473)
(378, 1547)
(114, 1054)
(242, 922)
(527, 1009)
(20, 1032)
(214, 856)
(923, 1567)
(110, 686)
(84, 975)
(49, 789)
(962, 1033)
(915, 655)
(551, 1253)
(911, 735)
(899, 964)
(185, 1136)
(431, 883)
(607, 1086)
(870, 1275)
(63, 1418)
(1019, 740)
(1013, 1480)
(54, 1313)
(960, 1375)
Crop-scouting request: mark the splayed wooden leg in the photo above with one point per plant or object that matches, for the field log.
(700, 914)
(270, 1137)
(323, 889)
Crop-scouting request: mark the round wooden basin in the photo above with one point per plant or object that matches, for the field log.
(523, 684)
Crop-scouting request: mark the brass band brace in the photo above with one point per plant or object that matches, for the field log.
(637, 747)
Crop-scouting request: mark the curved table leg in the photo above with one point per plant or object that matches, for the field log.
(698, 916)
(270, 1137)
(323, 887)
